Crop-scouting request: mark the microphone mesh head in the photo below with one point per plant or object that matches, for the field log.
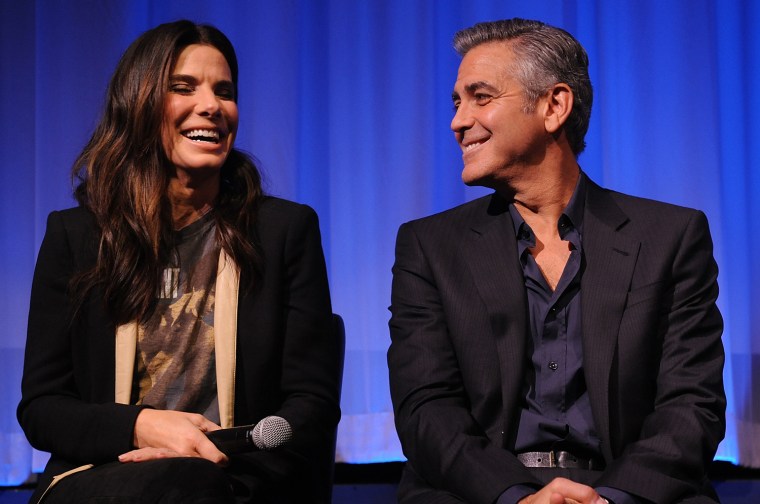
(271, 432)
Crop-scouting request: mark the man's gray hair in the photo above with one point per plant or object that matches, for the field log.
(545, 56)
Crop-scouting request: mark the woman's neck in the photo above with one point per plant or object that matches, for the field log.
(189, 201)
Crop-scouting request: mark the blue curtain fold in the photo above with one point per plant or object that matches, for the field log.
(347, 107)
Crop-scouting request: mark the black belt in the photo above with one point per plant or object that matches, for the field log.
(559, 458)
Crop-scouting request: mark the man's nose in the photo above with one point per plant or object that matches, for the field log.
(462, 119)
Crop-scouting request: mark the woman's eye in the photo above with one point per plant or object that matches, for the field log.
(181, 88)
(225, 94)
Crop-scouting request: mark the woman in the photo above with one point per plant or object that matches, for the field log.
(177, 299)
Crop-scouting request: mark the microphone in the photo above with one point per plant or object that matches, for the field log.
(270, 433)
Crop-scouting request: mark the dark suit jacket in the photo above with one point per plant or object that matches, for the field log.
(652, 353)
(286, 362)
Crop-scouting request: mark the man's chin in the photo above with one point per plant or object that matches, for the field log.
(474, 179)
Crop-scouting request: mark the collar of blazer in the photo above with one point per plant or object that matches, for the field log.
(225, 331)
(490, 253)
(610, 254)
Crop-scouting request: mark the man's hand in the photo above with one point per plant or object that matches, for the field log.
(165, 433)
(564, 491)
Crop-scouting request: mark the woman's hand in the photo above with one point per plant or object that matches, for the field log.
(165, 433)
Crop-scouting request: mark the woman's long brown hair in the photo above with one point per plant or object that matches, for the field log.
(123, 174)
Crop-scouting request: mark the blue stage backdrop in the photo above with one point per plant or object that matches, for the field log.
(347, 105)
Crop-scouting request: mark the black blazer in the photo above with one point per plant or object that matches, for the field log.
(286, 364)
(652, 353)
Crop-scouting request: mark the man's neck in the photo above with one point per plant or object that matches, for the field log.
(543, 192)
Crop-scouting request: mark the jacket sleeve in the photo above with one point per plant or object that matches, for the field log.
(300, 359)
(310, 368)
(685, 420)
(55, 412)
(444, 444)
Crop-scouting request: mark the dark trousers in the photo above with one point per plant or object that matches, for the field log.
(164, 481)
(544, 475)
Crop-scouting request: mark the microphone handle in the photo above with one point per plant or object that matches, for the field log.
(233, 440)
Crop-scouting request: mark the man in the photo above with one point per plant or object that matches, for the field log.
(554, 342)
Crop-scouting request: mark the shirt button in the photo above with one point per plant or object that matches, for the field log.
(553, 365)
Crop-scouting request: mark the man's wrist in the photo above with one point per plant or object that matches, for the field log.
(617, 496)
(515, 494)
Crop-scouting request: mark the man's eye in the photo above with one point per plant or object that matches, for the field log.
(482, 98)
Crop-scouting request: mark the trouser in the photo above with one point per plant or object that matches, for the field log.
(543, 474)
(164, 481)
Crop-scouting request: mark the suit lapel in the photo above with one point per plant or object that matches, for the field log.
(491, 254)
(610, 257)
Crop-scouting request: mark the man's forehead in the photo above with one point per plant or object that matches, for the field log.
(491, 76)
(485, 63)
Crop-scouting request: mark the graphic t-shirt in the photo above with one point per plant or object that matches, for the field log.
(175, 367)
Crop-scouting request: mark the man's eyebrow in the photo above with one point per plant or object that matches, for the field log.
(474, 88)
(479, 85)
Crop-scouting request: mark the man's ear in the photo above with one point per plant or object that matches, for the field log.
(559, 104)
